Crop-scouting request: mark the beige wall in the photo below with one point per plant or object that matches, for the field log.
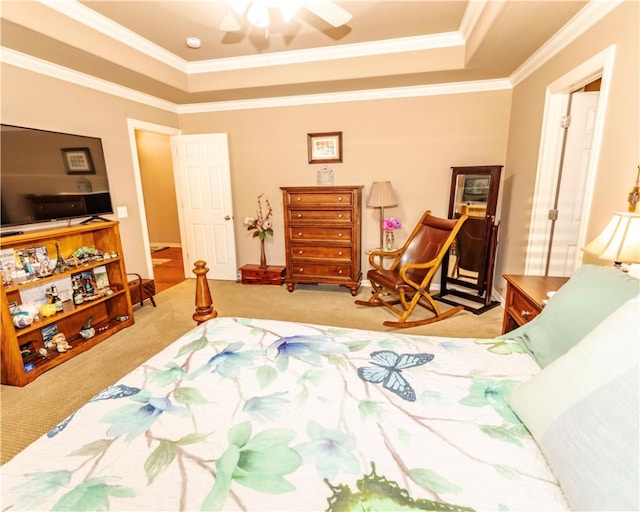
(33, 100)
(158, 187)
(411, 142)
(620, 151)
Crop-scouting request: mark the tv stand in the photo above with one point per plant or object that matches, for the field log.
(23, 354)
(94, 217)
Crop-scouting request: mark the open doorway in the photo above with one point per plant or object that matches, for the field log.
(161, 209)
(549, 190)
(146, 139)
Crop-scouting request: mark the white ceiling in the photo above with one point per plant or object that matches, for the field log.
(140, 45)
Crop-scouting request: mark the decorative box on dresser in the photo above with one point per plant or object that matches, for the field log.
(323, 235)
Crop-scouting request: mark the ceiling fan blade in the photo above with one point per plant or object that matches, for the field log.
(328, 11)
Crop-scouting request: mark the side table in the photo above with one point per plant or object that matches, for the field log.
(524, 298)
(253, 274)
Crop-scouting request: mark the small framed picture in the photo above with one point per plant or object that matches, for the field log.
(78, 161)
(324, 148)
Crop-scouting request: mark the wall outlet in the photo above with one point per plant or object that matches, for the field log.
(122, 212)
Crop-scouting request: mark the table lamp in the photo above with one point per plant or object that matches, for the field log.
(381, 196)
(619, 241)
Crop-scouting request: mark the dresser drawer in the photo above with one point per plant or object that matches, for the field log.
(521, 308)
(342, 234)
(304, 269)
(315, 199)
(253, 274)
(319, 251)
(334, 216)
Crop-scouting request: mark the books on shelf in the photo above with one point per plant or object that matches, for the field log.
(101, 278)
(48, 333)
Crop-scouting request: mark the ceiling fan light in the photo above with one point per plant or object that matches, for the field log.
(289, 8)
(240, 6)
(258, 14)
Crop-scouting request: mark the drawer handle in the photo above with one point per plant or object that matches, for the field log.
(300, 234)
(299, 215)
(340, 198)
(301, 270)
(300, 252)
(525, 313)
(340, 253)
(339, 234)
(340, 272)
(298, 198)
(339, 215)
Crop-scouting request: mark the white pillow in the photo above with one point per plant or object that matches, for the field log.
(583, 411)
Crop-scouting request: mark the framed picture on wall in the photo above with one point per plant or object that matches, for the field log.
(324, 148)
(78, 161)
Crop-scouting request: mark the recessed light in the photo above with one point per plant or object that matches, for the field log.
(193, 42)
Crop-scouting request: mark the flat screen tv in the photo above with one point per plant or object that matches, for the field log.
(48, 176)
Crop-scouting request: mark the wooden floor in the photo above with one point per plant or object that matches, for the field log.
(169, 273)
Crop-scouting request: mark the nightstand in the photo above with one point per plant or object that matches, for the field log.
(524, 298)
(253, 274)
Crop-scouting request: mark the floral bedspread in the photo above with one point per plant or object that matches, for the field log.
(245, 414)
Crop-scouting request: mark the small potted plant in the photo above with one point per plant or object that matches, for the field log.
(261, 226)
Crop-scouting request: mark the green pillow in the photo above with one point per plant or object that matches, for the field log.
(583, 410)
(589, 296)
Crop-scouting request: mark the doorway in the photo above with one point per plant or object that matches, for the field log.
(548, 188)
(200, 172)
(146, 197)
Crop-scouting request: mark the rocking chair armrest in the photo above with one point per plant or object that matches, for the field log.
(409, 266)
(385, 254)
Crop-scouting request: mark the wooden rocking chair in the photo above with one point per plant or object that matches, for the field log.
(410, 273)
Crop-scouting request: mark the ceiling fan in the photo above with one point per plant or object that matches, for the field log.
(257, 12)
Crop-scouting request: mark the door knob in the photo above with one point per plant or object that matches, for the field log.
(226, 217)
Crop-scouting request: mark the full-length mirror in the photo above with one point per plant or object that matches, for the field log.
(467, 270)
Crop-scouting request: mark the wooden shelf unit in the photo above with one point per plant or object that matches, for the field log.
(103, 236)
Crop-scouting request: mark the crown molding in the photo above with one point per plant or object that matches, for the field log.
(87, 16)
(585, 19)
(592, 13)
(46, 68)
(472, 15)
(96, 21)
(363, 95)
(346, 51)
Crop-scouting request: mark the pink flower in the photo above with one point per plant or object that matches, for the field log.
(391, 223)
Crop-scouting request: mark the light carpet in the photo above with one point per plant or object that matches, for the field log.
(29, 412)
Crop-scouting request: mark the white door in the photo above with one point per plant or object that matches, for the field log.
(203, 187)
(564, 252)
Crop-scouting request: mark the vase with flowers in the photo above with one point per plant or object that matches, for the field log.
(389, 225)
(261, 226)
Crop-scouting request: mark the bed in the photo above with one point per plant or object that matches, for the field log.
(252, 414)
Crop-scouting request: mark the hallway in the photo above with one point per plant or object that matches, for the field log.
(167, 267)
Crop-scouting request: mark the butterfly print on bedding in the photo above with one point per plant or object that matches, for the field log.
(388, 371)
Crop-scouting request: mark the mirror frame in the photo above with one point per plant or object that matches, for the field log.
(452, 288)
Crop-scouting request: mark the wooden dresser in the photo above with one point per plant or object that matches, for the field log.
(322, 235)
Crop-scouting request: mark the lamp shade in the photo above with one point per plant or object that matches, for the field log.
(381, 195)
(619, 241)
